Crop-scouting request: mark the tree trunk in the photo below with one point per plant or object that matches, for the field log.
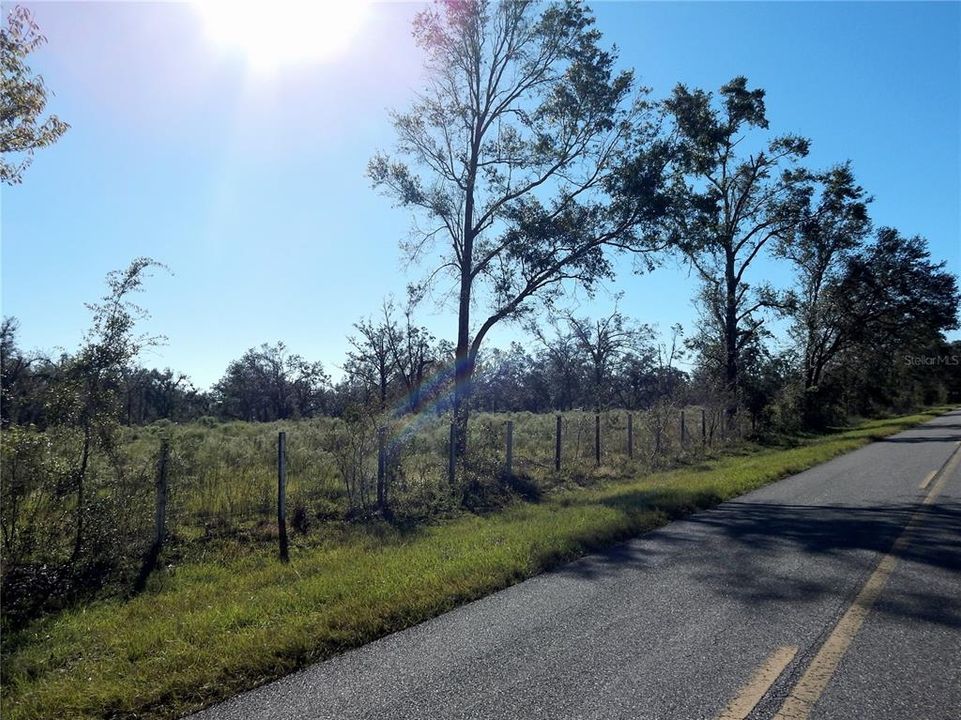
(463, 378)
(731, 369)
(463, 356)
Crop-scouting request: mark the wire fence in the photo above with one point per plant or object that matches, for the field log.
(190, 482)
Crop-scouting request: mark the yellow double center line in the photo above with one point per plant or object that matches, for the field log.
(807, 691)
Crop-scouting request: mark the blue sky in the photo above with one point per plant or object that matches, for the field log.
(251, 185)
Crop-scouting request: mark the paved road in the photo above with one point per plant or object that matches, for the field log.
(789, 602)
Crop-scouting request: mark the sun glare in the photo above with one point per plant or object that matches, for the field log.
(283, 32)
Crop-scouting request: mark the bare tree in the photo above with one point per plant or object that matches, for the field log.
(412, 350)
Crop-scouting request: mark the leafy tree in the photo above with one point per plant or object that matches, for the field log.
(893, 305)
(502, 379)
(23, 98)
(560, 368)
(605, 342)
(87, 394)
(833, 226)
(637, 382)
(728, 205)
(895, 291)
(21, 385)
(270, 383)
(526, 158)
(161, 394)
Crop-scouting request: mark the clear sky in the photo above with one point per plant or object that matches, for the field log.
(248, 181)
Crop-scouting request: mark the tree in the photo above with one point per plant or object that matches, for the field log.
(502, 379)
(728, 207)
(16, 376)
(413, 351)
(604, 342)
(161, 394)
(832, 228)
(88, 392)
(23, 98)
(527, 158)
(893, 306)
(561, 366)
(270, 383)
(895, 291)
(372, 360)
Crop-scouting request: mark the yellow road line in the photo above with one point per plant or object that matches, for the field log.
(809, 688)
(750, 695)
(927, 478)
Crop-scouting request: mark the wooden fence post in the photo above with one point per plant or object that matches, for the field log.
(597, 439)
(557, 446)
(630, 436)
(162, 487)
(282, 495)
(509, 464)
(382, 469)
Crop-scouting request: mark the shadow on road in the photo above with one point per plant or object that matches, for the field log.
(839, 533)
(748, 551)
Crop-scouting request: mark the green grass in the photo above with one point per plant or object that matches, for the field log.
(205, 630)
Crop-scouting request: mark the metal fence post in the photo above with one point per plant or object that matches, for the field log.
(509, 464)
(282, 495)
(630, 436)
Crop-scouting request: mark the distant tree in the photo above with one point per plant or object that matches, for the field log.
(637, 380)
(729, 205)
(502, 381)
(560, 368)
(23, 97)
(15, 373)
(413, 350)
(371, 360)
(669, 380)
(527, 159)
(895, 291)
(270, 383)
(605, 342)
(161, 394)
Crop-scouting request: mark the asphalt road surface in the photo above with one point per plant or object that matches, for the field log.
(835, 593)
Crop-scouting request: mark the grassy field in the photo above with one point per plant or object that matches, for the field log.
(205, 629)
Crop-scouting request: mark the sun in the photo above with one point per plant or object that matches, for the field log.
(283, 32)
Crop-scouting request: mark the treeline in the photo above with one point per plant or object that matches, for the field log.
(879, 348)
